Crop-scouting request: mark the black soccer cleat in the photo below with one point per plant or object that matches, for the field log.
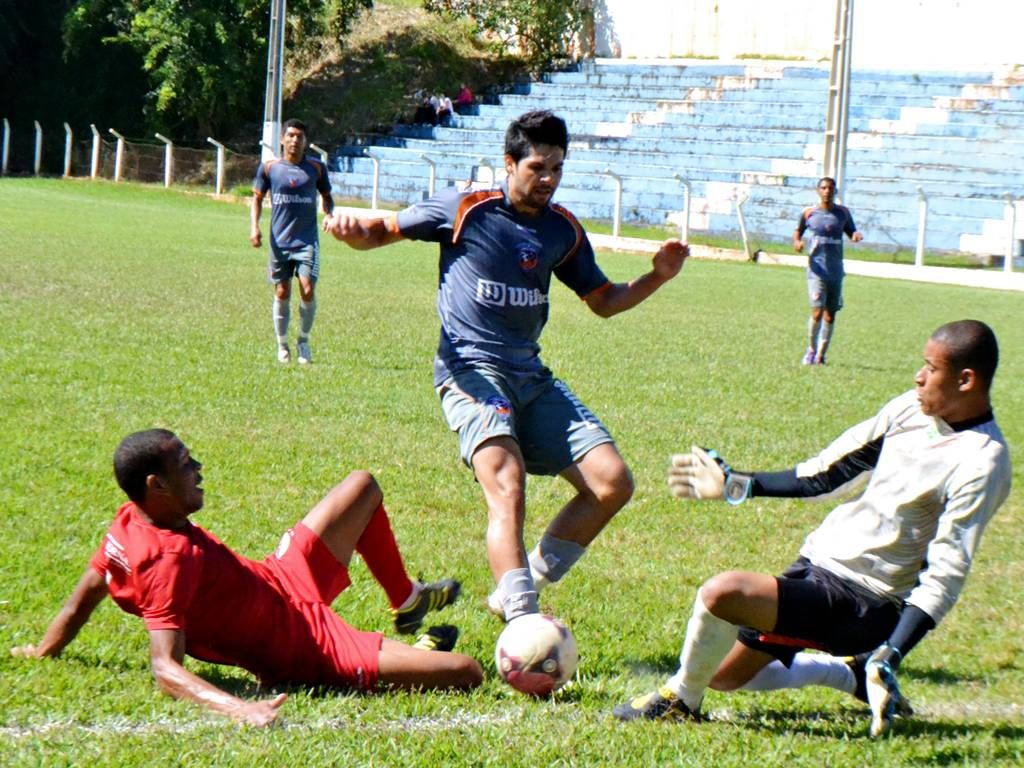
(439, 638)
(661, 704)
(431, 597)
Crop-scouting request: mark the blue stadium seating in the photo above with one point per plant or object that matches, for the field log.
(752, 130)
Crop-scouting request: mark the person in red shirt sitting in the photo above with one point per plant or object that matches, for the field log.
(271, 617)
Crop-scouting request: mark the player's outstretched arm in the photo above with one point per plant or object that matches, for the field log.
(622, 296)
(88, 593)
(166, 653)
(363, 233)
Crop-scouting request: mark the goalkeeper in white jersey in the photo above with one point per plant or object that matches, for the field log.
(880, 572)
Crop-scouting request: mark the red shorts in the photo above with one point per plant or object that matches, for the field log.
(312, 578)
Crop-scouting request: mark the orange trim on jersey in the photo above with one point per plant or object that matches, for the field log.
(789, 642)
(469, 202)
(576, 228)
(599, 289)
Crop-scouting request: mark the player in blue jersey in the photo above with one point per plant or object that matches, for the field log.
(499, 249)
(827, 222)
(293, 182)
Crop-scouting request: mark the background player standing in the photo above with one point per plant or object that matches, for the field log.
(499, 249)
(827, 223)
(293, 181)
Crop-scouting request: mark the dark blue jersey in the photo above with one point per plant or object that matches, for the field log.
(825, 246)
(293, 192)
(495, 273)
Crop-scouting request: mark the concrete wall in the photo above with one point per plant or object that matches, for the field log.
(887, 34)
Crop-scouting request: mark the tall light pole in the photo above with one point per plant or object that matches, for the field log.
(838, 115)
(271, 141)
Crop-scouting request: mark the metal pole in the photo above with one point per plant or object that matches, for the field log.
(38, 162)
(68, 142)
(844, 127)
(617, 211)
(119, 155)
(433, 174)
(94, 166)
(275, 74)
(741, 198)
(320, 151)
(376, 178)
(1011, 240)
(220, 163)
(922, 223)
(7, 146)
(684, 229)
(168, 159)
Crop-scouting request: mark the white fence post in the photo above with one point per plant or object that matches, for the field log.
(433, 175)
(168, 158)
(69, 138)
(376, 178)
(94, 165)
(7, 146)
(485, 163)
(1011, 239)
(741, 198)
(220, 163)
(38, 161)
(617, 212)
(922, 224)
(320, 151)
(684, 229)
(118, 155)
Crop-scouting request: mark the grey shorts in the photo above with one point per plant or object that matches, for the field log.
(827, 295)
(285, 263)
(553, 428)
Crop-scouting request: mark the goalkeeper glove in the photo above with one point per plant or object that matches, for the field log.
(703, 474)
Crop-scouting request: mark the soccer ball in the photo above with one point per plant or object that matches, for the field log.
(536, 654)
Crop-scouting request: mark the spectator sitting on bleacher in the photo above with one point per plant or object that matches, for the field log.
(444, 110)
(464, 100)
(426, 112)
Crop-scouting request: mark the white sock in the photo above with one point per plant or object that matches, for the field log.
(282, 314)
(518, 593)
(708, 639)
(806, 669)
(552, 558)
(825, 338)
(813, 326)
(307, 313)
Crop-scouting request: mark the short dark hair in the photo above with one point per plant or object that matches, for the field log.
(970, 344)
(294, 123)
(825, 178)
(541, 126)
(139, 455)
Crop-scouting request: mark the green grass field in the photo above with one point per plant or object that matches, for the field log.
(125, 307)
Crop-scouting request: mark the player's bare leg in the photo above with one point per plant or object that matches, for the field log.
(501, 472)
(340, 518)
(402, 666)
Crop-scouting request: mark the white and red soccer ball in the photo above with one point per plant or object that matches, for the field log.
(536, 654)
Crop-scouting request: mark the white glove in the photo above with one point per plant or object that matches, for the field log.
(696, 475)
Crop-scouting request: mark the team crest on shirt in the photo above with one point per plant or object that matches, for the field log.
(502, 408)
(528, 257)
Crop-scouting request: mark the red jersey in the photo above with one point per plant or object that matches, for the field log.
(232, 610)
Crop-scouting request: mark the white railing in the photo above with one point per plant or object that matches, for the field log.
(168, 158)
(220, 163)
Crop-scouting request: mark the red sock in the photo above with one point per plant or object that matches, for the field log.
(379, 550)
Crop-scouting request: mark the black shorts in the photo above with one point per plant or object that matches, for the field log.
(820, 610)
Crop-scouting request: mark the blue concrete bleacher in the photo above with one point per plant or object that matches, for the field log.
(753, 130)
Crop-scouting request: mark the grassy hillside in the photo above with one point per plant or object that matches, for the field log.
(368, 81)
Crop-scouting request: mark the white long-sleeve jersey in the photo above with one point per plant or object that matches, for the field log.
(912, 534)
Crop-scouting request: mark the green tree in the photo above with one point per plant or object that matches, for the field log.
(205, 59)
(541, 32)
